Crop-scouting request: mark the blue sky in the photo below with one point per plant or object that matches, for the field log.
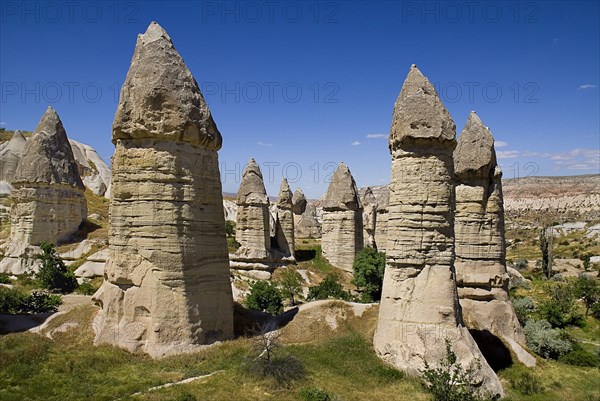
(303, 85)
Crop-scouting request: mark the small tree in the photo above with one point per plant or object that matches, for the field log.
(546, 248)
(330, 287)
(588, 290)
(561, 309)
(290, 282)
(369, 266)
(53, 274)
(265, 297)
(451, 381)
(230, 228)
(586, 263)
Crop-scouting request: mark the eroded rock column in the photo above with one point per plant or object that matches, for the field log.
(369, 218)
(284, 234)
(166, 287)
(480, 247)
(342, 231)
(419, 307)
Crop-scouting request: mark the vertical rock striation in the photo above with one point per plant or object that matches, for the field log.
(166, 287)
(10, 156)
(419, 307)
(252, 229)
(480, 264)
(342, 231)
(48, 204)
(284, 234)
(369, 218)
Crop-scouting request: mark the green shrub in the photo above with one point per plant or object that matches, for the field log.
(230, 228)
(314, 394)
(451, 381)
(86, 288)
(290, 282)
(265, 297)
(520, 264)
(330, 287)
(523, 307)
(588, 290)
(524, 382)
(14, 301)
(5, 278)
(53, 273)
(544, 340)
(580, 357)
(560, 310)
(369, 266)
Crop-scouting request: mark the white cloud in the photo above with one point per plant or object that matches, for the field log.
(587, 86)
(500, 144)
(2, 123)
(355, 143)
(372, 136)
(508, 154)
(268, 145)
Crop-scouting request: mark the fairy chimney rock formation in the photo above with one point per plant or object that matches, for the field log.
(369, 218)
(299, 202)
(342, 232)
(252, 227)
(419, 307)
(10, 156)
(166, 287)
(480, 263)
(284, 233)
(48, 204)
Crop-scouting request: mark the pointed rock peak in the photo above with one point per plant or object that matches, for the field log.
(48, 156)
(284, 199)
(369, 197)
(252, 188)
(299, 202)
(18, 137)
(342, 193)
(160, 99)
(475, 154)
(419, 114)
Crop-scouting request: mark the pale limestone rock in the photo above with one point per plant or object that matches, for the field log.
(94, 172)
(252, 227)
(10, 155)
(48, 204)
(480, 262)
(307, 225)
(342, 236)
(299, 202)
(166, 287)
(369, 218)
(419, 307)
(284, 235)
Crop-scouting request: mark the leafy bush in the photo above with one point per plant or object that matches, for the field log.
(520, 264)
(14, 301)
(5, 278)
(53, 274)
(314, 394)
(451, 381)
(369, 266)
(580, 357)
(86, 288)
(524, 382)
(330, 287)
(544, 340)
(290, 282)
(265, 297)
(230, 228)
(523, 307)
(560, 310)
(588, 290)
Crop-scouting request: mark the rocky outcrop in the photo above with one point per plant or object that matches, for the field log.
(252, 230)
(166, 287)
(342, 235)
(299, 202)
(419, 306)
(369, 218)
(307, 225)
(10, 155)
(284, 232)
(47, 197)
(480, 262)
(94, 172)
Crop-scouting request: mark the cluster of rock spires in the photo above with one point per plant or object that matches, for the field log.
(166, 286)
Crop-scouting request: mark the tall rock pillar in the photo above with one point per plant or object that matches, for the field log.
(166, 287)
(419, 307)
(284, 234)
